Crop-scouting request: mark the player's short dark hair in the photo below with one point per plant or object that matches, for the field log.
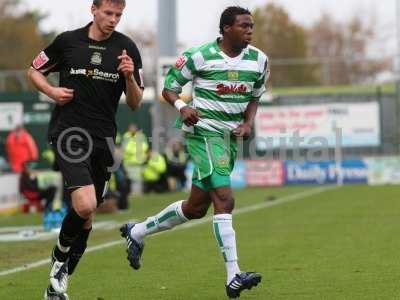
(98, 3)
(228, 16)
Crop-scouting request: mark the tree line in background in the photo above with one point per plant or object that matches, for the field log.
(327, 53)
(21, 39)
(20, 35)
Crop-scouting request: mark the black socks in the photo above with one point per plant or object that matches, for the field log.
(70, 229)
(77, 249)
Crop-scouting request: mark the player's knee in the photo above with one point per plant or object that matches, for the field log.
(86, 207)
(200, 212)
(224, 202)
(84, 201)
(85, 211)
(227, 207)
(225, 197)
(197, 212)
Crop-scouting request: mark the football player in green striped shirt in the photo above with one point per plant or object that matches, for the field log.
(228, 77)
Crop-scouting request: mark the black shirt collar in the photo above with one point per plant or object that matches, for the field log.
(85, 34)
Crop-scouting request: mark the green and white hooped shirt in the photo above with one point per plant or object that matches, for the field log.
(222, 86)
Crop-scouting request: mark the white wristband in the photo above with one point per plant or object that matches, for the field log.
(179, 104)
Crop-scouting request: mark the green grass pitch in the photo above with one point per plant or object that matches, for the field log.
(338, 243)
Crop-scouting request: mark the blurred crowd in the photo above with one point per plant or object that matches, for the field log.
(142, 170)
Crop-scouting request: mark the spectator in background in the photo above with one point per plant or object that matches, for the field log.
(123, 186)
(116, 197)
(154, 173)
(4, 165)
(120, 182)
(20, 148)
(135, 145)
(176, 165)
(34, 194)
(48, 156)
(111, 198)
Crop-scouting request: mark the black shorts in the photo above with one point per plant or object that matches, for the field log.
(84, 164)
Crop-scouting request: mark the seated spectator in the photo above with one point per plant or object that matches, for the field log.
(20, 147)
(110, 203)
(48, 157)
(123, 187)
(4, 165)
(116, 197)
(154, 173)
(177, 160)
(29, 188)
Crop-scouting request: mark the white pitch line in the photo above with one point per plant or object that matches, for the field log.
(39, 228)
(193, 223)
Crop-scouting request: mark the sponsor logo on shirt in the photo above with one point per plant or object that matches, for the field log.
(181, 61)
(96, 58)
(40, 60)
(97, 47)
(223, 89)
(95, 74)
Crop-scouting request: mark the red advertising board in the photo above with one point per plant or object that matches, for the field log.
(264, 173)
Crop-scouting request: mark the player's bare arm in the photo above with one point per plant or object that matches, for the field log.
(190, 116)
(244, 130)
(60, 95)
(133, 92)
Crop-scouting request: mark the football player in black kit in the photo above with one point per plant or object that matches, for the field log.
(96, 64)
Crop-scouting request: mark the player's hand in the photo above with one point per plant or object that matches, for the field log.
(61, 95)
(243, 130)
(126, 65)
(190, 116)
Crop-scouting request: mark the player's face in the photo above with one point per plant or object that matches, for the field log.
(107, 16)
(240, 33)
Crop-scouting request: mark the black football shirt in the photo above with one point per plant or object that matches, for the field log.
(88, 67)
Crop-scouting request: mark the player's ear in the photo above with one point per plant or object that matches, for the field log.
(93, 9)
(227, 28)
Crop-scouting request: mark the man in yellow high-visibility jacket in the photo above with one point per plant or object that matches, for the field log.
(154, 172)
(135, 146)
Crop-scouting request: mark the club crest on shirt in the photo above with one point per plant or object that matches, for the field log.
(40, 60)
(222, 161)
(233, 75)
(181, 61)
(96, 58)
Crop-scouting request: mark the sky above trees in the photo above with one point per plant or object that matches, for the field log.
(198, 20)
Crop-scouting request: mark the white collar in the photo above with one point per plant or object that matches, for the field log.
(234, 60)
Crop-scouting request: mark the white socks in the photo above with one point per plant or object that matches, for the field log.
(164, 220)
(225, 236)
(172, 216)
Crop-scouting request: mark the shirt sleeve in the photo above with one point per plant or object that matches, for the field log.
(134, 53)
(259, 85)
(49, 59)
(181, 73)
